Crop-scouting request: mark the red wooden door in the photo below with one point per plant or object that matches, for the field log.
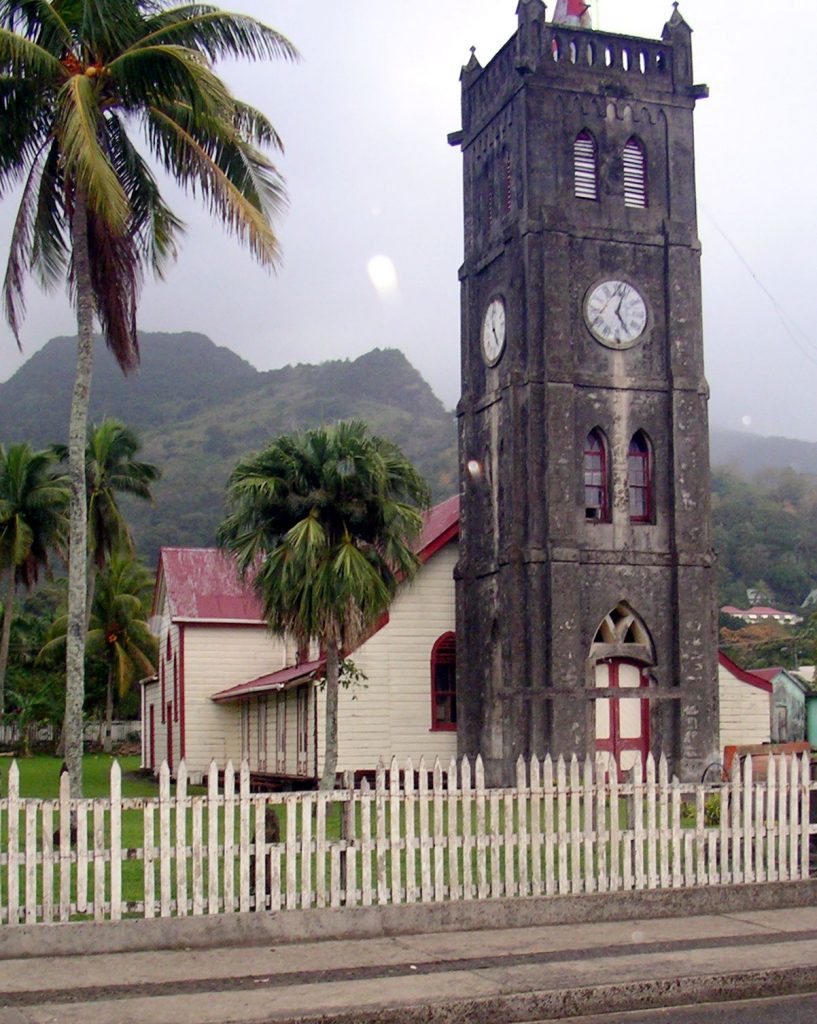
(622, 724)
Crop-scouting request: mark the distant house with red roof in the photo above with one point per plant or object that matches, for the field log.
(228, 689)
(762, 613)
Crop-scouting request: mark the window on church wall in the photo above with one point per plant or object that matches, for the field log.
(443, 683)
(639, 479)
(635, 174)
(585, 167)
(596, 479)
(508, 183)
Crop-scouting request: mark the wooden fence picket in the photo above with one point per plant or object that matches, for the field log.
(559, 829)
(410, 841)
(181, 839)
(536, 826)
(453, 832)
(228, 860)
(116, 842)
(65, 848)
(164, 840)
(395, 802)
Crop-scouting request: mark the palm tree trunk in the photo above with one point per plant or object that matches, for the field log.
(5, 639)
(78, 512)
(106, 739)
(89, 604)
(330, 761)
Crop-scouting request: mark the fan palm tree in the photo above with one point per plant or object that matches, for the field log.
(110, 469)
(119, 633)
(33, 501)
(77, 79)
(323, 524)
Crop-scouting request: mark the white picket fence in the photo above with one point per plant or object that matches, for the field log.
(417, 836)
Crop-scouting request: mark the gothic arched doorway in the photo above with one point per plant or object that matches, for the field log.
(621, 652)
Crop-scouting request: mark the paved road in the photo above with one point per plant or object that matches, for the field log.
(783, 1010)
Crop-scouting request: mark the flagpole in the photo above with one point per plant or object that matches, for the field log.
(598, 15)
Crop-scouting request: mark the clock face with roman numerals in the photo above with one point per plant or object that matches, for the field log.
(616, 313)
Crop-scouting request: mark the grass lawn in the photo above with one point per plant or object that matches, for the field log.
(40, 776)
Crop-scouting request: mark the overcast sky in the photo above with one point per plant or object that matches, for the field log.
(364, 117)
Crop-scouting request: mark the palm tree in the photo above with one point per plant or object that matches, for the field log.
(110, 469)
(33, 499)
(75, 77)
(119, 633)
(323, 524)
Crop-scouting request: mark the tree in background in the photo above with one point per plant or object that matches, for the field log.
(119, 632)
(77, 77)
(111, 469)
(33, 525)
(323, 525)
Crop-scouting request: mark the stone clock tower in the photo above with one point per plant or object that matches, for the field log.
(585, 598)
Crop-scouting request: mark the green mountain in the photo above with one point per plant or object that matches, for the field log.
(199, 408)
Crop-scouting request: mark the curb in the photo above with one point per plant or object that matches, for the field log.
(290, 926)
(558, 1004)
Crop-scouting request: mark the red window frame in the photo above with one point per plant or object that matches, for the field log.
(639, 479)
(444, 684)
(596, 479)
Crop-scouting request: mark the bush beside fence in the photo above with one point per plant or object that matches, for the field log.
(416, 836)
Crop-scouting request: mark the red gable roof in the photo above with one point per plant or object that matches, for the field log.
(752, 678)
(202, 583)
(767, 673)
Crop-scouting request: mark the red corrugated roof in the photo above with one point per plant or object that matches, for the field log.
(274, 681)
(767, 673)
(202, 583)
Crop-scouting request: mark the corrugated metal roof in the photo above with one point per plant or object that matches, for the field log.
(203, 583)
(273, 682)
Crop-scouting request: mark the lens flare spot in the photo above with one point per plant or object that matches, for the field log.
(382, 274)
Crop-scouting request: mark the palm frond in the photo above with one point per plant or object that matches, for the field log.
(40, 19)
(219, 33)
(84, 159)
(20, 250)
(188, 161)
(28, 59)
(25, 114)
(156, 74)
(50, 253)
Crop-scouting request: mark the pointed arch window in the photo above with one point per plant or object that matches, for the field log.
(635, 174)
(443, 683)
(596, 478)
(585, 167)
(639, 479)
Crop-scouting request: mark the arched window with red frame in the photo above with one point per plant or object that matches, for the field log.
(639, 479)
(596, 478)
(443, 683)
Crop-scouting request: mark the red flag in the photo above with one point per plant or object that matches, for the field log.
(572, 12)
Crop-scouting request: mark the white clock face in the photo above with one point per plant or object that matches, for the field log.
(493, 331)
(615, 313)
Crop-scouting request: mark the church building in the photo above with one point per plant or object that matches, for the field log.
(586, 618)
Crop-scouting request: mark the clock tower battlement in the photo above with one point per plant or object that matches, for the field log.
(585, 547)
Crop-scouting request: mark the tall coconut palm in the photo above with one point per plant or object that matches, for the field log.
(111, 469)
(119, 633)
(33, 524)
(77, 79)
(323, 524)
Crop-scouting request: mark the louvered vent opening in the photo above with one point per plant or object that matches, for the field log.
(635, 175)
(585, 178)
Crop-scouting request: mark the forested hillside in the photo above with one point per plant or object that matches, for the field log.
(199, 407)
